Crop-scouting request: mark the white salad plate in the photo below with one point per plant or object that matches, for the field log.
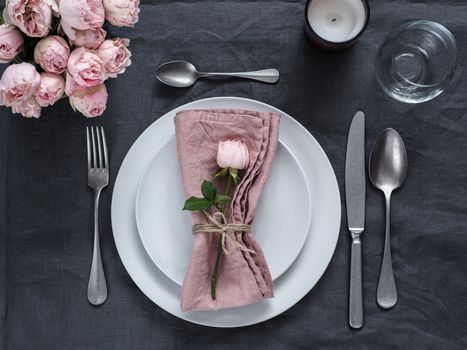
(311, 166)
(281, 224)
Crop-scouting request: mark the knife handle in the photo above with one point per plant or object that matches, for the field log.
(356, 284)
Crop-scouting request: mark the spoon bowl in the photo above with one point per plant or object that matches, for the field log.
(388, 169)
(177, 73)
(388, 161)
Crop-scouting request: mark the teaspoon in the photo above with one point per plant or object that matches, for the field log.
(388, 168)
(184, 74)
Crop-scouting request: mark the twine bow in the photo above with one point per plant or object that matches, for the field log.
(225, 230)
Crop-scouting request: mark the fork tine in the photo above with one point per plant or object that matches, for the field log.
(99, 147)
(88, 143)
(94, 163)
(104, 143)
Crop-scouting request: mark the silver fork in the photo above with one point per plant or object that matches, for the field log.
(98, 178)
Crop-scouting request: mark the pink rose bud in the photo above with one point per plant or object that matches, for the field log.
(232, 154)
(32, 17)
(86, 68)
(52, 53)
(91, 102)
(50, 89)
(18, 83)
(28, 108)
(115, 56)
(11, 42)
(82, 14)
(121, 13)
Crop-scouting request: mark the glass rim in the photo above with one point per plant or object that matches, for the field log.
(410, 26)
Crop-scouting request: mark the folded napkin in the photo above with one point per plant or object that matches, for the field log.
(243, 277)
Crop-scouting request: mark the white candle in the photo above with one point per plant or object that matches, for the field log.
(336, 20)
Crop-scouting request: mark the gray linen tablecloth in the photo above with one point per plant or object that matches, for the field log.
(45, 204)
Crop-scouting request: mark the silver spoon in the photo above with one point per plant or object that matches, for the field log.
(388, 168)
(184, 74)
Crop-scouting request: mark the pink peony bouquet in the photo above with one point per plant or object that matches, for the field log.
(57, 48)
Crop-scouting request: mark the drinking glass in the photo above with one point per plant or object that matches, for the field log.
(417, 61)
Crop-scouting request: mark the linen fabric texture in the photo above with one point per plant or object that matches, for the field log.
(243, 277)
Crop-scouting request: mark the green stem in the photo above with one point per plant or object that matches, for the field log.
(219, 247)
(227, 189)
(216, 269)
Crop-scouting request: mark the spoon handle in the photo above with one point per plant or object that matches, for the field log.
(270, 76)
(386, 294)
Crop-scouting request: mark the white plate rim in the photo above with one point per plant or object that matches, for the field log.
(137, 209)
(333, 198)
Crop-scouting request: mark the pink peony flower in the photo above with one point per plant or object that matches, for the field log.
(71, 86)
(89, 38)
(28, 108)
(18, 83)
(115, 56)
(11, 42)
(91, 102)
(50, 90)
(82, 14)
(121, 13)
(232, 154)
(86, 68)
(33, 17)
(52, 53)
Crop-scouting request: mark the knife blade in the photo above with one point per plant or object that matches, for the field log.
(355, 182)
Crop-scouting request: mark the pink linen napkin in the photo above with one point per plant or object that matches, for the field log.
(244, 277)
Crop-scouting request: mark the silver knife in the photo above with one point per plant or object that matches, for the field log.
(355, 179)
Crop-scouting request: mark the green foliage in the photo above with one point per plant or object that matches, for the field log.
(208, 190)
(195, 203)
(209, 199)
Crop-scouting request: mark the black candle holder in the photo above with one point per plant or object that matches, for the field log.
(331, 46)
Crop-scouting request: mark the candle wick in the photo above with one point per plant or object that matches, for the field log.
(333, 20)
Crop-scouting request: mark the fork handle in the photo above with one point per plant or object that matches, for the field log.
(97, 287)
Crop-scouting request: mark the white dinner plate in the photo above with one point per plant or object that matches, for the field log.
(165, 229)
(293, 285)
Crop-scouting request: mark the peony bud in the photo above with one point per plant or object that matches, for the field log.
(50, 89)
(121, 13)
(91, 102)
(52, 53)
(11, 42)
(115, 56)
(86, 68)
(18, 83)
(32, 17)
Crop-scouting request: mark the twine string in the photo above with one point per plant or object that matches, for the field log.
(218, 225)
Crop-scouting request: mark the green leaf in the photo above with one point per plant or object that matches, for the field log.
(222, 198)
(222, 172)
(195, 203)
(209, 190)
